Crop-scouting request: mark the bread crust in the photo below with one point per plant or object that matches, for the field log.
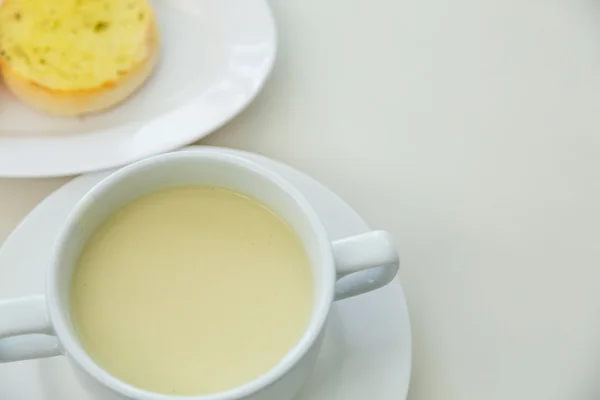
(65, 103)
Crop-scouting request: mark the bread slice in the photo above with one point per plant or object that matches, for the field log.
(75, 57)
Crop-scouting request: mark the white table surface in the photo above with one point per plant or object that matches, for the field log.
(470, 129)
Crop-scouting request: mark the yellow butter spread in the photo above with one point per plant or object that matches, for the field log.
(74, 44)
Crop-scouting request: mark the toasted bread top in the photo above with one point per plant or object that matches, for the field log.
(72, 45)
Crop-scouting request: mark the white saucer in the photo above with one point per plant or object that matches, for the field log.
(366, 352)
(215, 57)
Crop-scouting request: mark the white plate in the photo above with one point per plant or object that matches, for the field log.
(215, 57)
(366, 352)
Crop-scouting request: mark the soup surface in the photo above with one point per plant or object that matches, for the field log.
(191, 290)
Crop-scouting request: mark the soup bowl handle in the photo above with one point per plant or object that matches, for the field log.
(364, 262)
(25, 330)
